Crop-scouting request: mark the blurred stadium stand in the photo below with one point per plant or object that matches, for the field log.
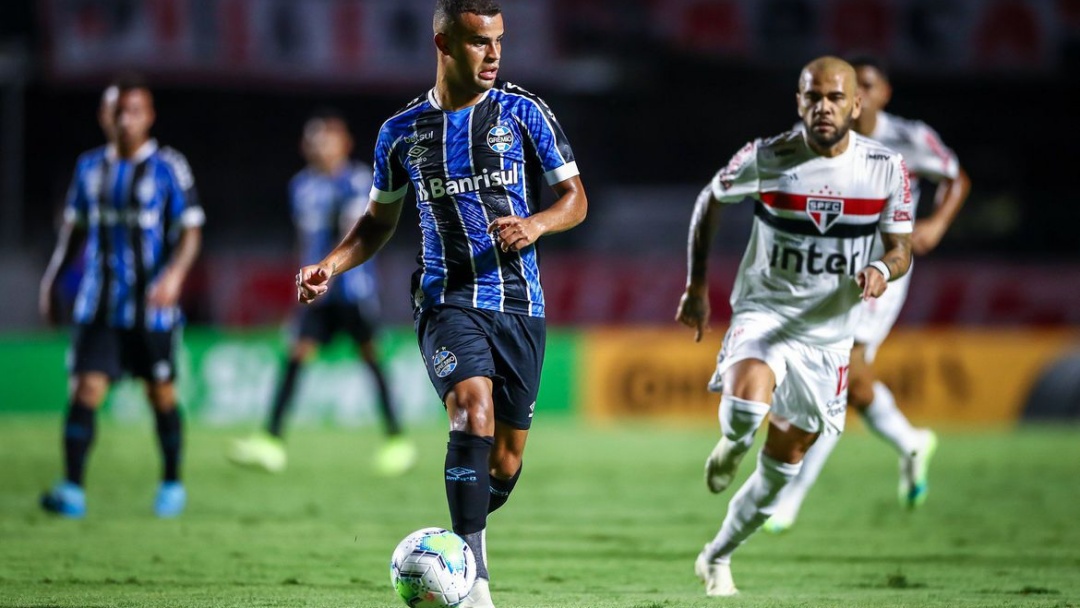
(655, 95)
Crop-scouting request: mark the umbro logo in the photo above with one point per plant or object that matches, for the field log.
(417, 151)
(460, 474)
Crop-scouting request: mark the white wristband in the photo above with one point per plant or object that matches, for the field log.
(883, 268)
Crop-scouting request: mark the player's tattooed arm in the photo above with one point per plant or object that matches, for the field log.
(364, 240)
(694, 305)
(874, 279)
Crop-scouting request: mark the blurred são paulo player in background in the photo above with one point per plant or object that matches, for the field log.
(133, 205)
(927, 158)
(821, 197)
(475, 151)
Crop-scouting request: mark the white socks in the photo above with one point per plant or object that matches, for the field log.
(885, 419)
(755, 502)
(740, 419)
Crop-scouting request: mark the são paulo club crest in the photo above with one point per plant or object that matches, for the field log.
(824, 212)
(500, 139)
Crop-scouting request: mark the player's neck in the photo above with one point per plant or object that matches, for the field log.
(451, 98)
(332, 167)
(127, 152)
(866, 123)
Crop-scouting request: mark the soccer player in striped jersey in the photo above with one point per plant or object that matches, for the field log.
(133, 205)
(326, 198)
(475, 151)
(822, 196)
(927, 158)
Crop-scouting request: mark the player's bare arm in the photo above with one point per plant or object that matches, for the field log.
(897, 260)
(165, 292)
(694, 305)
(949, 198)
(516, 233)
(72, 236)
(364, 240)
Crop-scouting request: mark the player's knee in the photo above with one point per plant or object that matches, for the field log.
(302, 350)
(162, 396)
(473, 412)
(504, 463)
(860, 391)
(90, 389)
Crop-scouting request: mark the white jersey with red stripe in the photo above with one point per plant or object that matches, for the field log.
(926, 157)
(816, 219)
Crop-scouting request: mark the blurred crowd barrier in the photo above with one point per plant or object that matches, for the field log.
(962, 376)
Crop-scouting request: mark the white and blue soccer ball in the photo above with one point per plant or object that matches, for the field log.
(433, 568)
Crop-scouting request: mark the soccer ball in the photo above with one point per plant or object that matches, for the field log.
(433, 568)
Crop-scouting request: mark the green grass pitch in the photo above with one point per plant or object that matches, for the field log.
(603, 517)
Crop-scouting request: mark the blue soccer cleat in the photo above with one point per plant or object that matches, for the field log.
(65, 499)
(170, 500)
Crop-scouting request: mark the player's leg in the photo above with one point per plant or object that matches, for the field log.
(454, 344)
(778, 463)
(793, 496)
(397, 454)
(266, 450)
(95, 360)
(875, 402)
(150, 355)
(747, 392)
(506, 458)
(168, 422)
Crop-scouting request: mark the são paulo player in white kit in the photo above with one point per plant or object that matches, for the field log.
(926, 158)
(821, 197)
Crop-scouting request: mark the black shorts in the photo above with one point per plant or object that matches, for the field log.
(461, 343)
(321, 322)
(114, 351)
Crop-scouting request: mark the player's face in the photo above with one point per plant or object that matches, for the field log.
(874, 88)
(107, 113)
(134, 116)
(828, 105)
(326, 143)
(474, 47)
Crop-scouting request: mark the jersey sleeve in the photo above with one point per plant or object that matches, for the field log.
(183, 198)
(929, 158)
(390, 180)
(77, 203)
(739, 179)
(552, 147)
(898, 215)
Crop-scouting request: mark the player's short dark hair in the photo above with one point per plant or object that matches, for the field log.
(129, 81)
(328, 113)
(870, 61)
(446, 11)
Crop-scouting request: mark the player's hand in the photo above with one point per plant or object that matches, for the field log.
(514, 233)
(926, 236)
(312, 282)
(694, 311)
(165, 292)
(872, 282)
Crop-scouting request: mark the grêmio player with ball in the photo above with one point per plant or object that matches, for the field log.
(475, 150)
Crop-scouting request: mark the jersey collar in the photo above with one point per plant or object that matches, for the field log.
(435, 102)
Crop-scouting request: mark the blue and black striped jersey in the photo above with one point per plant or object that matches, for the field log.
(467, 168)
(133, 211)
(324, 207)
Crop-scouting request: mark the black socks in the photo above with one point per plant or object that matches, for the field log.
(78, 436)
(499, 490)
(283, 398)
(170, 434)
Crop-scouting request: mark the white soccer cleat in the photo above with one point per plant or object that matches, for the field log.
(479, 597)
(914, 471)
(716, 576)
(722, 464)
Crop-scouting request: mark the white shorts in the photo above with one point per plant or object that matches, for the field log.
(877, 316)
(811, 381)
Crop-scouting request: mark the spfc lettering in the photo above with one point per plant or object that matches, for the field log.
(824, 212)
